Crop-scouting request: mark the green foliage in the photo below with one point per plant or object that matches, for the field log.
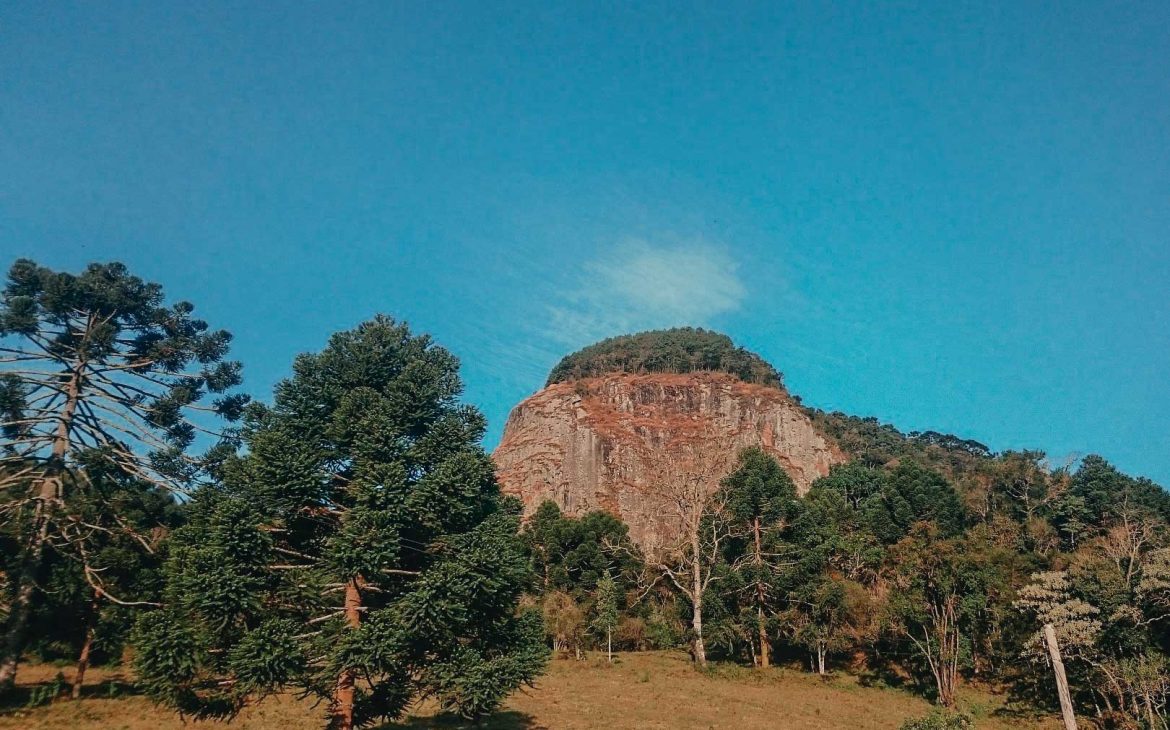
(680, 350)
(942, 591)
(759, 490)
(46, 693)
(1100, 492)
(759, 500)
(364, 484)
(1110, 614)
(836, 531)
(877, 444)
(573, 554)
(142, 366)
(886, 504)
(605, 607)
(124, 551)
(940, 719)
(828, 615)
(915, 494)
(102, 383)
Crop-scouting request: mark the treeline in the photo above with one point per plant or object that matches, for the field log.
(898, 571)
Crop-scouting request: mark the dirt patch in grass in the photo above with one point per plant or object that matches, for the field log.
(641, 690)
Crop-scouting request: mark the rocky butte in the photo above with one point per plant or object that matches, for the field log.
(621, 418)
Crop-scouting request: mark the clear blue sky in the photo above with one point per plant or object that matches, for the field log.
(948, 215)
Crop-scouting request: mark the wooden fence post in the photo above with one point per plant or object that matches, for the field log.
(1066, 706)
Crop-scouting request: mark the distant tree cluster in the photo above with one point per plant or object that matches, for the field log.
(940, 572)
(679, 350)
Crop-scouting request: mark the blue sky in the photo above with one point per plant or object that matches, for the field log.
(948, 215)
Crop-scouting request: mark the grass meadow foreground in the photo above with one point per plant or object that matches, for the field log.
(640, 690)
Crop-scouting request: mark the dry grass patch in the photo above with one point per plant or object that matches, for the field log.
(642, 690)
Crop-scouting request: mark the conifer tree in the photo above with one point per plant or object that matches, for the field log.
(360, 552)
(95, 368)
(572, 554)
(761, 498)
(94, 586)
(605, 611)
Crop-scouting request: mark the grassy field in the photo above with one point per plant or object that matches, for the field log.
(644, 690)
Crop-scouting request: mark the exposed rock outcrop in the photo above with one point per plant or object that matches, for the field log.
(608, 442)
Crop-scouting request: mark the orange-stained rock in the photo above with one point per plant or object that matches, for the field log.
(601, 443)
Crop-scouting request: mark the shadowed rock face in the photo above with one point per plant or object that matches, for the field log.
(608, 442)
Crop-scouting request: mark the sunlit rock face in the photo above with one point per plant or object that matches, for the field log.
(609, 442)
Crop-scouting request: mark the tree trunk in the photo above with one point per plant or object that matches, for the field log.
(1066, 706)
(946, 680)
(91, 620)
(343, 695)
(697, 602)
(944, 656)
(27, 578)
(760, 598)
(946, 687)
(697, 625)
(50, 491)
(821, 658)
(609, 644)
(18, 617)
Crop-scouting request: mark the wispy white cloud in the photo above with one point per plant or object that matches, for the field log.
(640, 284)
(629, 286)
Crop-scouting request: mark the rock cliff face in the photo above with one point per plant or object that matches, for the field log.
(610, 442)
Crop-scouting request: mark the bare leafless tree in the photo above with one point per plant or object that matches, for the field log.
(693, 523)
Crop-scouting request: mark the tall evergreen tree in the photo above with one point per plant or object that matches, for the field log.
(95, 365)
(761, 498)
(605, 611)
(360, 552)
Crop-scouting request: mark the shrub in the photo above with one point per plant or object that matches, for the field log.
(940, 719)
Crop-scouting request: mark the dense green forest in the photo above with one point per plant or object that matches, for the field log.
(346, 538)
(679, 350)
(927, 571)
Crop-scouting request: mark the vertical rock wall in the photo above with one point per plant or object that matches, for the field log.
(602, 443)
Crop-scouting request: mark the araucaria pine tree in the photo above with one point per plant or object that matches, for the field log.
(360, 552)
(605, 611)
(760, 499)
(96, 372)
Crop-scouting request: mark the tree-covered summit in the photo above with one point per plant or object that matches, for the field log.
(677, 350)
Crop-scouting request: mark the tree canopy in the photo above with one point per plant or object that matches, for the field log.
(97, 374)
(679, 350)
(360, 551)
